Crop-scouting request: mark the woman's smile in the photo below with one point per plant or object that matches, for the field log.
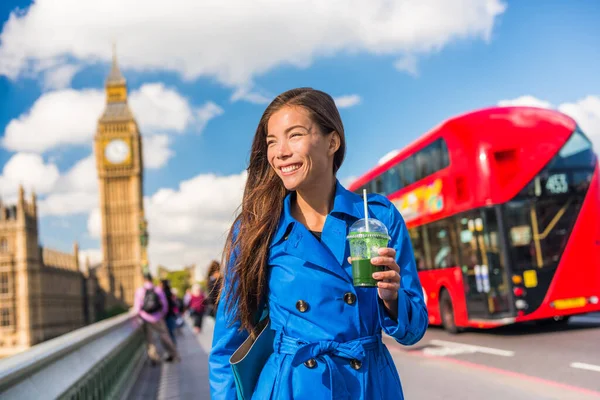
(290, 169)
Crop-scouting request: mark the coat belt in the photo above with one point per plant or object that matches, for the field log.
(323, 350)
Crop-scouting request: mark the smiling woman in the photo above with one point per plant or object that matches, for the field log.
(287, 251)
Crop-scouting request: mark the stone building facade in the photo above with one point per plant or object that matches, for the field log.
(43, 292)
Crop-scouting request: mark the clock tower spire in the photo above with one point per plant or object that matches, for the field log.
(118, 151)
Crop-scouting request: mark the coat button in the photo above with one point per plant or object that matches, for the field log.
(301, 305)
(355, 364)
(350, 298)
(311, 363)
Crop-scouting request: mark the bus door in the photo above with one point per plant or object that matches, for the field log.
(483, 265)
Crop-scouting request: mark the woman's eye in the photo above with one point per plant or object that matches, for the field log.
(295, 134)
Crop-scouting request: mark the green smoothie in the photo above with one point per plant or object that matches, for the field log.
(362, 273)
(363, 247)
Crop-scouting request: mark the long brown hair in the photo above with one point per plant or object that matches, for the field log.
(262, 203)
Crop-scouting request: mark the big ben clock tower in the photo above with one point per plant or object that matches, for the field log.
(118, 150)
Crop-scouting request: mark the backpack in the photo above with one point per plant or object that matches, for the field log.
(151, 302)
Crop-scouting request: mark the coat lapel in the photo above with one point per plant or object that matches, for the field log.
(302, 244)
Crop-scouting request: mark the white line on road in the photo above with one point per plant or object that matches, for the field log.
(473, 348)
(589, 367)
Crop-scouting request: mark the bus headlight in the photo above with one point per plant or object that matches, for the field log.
(593, 300)
(521, 304)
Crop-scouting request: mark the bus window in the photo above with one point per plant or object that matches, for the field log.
(435, 156)
(445, 156)
(417, 242)
(391, 180)
(378, 185)
(407, 171)
(423, 161)
(443, 245)
(466, 241)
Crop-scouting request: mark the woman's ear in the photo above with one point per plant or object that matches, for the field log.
(334, 142)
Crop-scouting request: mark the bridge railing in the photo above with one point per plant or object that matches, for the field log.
(99, 361)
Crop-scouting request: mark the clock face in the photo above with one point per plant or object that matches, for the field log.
(116, 151)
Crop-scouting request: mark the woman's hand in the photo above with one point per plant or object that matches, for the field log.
(389, 280)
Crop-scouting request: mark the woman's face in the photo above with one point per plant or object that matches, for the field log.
(297, 150)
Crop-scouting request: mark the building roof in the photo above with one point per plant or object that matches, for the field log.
(115, 112)
(115, 77)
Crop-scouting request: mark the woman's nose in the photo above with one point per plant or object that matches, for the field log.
(283, 151)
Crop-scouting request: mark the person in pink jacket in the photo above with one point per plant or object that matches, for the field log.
(150, 304)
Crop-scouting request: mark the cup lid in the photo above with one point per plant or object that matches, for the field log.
(376, 228)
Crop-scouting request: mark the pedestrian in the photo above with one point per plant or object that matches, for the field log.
(214, 285)
(287, 249)
(179, 309)
(150, 303)
(171, 316)
(197, 307)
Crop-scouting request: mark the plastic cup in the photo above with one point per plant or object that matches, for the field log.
(365, 241)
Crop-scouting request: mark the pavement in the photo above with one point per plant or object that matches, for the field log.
(518, 362)
(184, 380)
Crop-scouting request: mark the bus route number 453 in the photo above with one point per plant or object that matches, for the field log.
(557, 184)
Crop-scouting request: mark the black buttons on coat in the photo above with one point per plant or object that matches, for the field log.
(355, 364)
(350, 298)
(301, 306)
(311, 363)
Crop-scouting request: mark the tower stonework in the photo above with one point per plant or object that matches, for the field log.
(118, 151)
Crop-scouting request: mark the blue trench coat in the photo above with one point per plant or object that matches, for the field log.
(318, 314)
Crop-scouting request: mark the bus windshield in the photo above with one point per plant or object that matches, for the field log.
(540, 218)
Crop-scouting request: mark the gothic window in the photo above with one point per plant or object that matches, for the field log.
(5, 319)
(3, 245)
(4, 283)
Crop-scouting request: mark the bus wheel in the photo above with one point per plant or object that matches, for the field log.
(447, 311)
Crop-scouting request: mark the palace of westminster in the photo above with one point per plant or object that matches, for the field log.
(45, 293)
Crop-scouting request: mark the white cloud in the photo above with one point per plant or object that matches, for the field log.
(586, 112)
(247, 93)
(388, 156)
(75, 192)
(233, 40)
(205, 113)
(70, 117)
(348, 181)
(29, 170)
(189, 225)
(158, 108)
(527, 100)
(56, 118)
(81, 176)
(407, 63)
(60, 77)
(68, 203)
(94, 223)
(156, 151)
(347, 101)
(93, 255)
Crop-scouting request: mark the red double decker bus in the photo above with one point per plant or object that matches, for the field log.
(503, 209)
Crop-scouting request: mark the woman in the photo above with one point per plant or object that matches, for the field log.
(214, 282)
(288, 249)
(196, 306)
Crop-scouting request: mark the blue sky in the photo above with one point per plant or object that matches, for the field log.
(508, 50)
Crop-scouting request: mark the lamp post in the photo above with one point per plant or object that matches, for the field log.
(144, 242)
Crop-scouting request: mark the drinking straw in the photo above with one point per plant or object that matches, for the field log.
(366, 209)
